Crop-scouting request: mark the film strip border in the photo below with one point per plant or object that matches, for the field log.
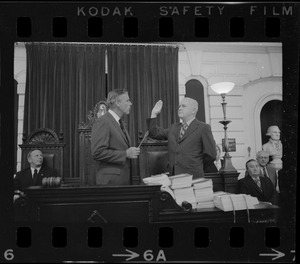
(145, 243)
(151, 21)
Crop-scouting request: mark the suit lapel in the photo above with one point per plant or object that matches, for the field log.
(191, 128)
(177, 131)
(117, 126)
(264, 185)
(255, 185)
(29, 176)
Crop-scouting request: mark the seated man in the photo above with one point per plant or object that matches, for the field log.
(260, 187)
(33, 175)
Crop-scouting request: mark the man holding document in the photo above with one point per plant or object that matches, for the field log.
(111, 144)
(188, 141)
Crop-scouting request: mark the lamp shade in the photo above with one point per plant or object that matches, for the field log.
(222, 87)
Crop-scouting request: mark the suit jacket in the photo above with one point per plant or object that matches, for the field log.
(108, 146)
(24, 178)
(211, 167)
(186, 154)
(248, 186)
(272, 174)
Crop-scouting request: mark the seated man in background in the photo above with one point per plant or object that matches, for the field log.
(266, 169)
(33, 175)
(260, 187)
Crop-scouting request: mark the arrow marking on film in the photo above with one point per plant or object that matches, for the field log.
(276, 255)
(132, 255)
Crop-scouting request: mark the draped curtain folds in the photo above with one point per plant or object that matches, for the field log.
(149, 73)
(63, 83)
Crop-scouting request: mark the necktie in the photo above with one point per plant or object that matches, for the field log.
(183, 129)
(123, 128)
(35, 176)
(257, 181)
(265, 172)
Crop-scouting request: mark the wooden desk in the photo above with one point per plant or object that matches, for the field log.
(124, 204)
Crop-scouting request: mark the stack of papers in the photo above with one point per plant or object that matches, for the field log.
(203, 190)
(181, 181)
(202, 183)
(185, 194)
(230, 202)
(205, 205)
(159, 179)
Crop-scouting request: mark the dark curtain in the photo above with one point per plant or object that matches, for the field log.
(149, 73)
(64, 82)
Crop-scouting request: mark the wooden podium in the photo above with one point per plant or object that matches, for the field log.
(124, 204)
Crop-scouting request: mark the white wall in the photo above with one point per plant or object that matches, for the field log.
(255, 68)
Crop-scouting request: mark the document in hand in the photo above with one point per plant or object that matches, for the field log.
(230, 202)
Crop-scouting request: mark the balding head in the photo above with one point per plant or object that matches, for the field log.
(187, 109)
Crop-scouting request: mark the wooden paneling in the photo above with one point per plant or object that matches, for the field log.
(123, 204)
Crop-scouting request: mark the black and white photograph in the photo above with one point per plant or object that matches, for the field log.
(69, 92)
(162, 150)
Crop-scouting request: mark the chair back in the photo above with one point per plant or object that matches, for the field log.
(47, 141)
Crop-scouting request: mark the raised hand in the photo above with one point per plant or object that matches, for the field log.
(156, 109)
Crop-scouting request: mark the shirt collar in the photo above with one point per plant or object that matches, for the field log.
(189, 122)
(115, 116)
(255, 178)
(32, 170)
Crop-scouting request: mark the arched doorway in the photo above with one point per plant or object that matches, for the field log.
(194, 89)
(271, 114)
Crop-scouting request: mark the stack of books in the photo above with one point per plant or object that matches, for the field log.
(181, 186)
(181, 181)
(203, 191)
(234, 202)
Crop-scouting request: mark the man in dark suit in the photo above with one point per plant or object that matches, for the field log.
(110, 142)
(266, 169)
(256, 185)
(188, 141)
(33, 175)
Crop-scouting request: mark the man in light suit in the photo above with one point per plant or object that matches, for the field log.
(256, 185)
(188, 141)
(266, 169)
(33, 175)
(110, 142)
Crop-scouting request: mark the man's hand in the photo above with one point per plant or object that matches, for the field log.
(132, 153)
(156, 109)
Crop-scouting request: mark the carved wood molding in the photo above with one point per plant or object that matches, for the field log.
(42, 136)
(92, 115)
